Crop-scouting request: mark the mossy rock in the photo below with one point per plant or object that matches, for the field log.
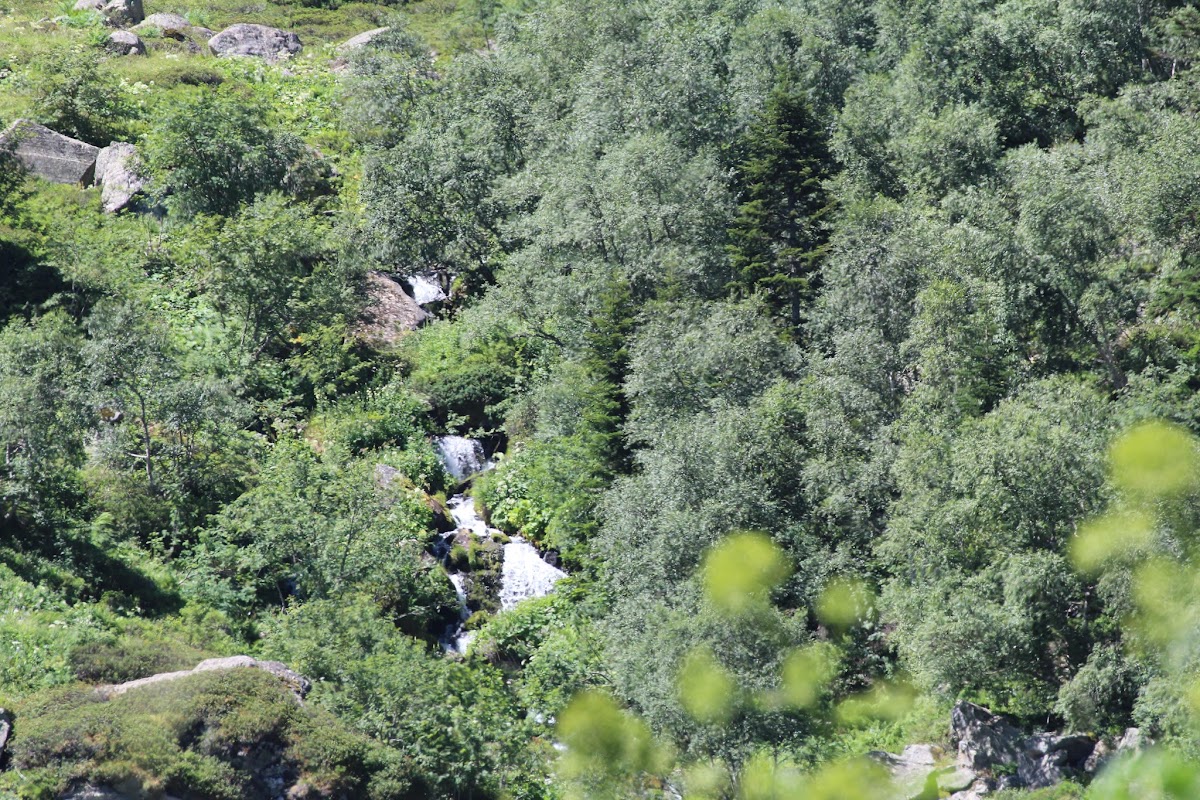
(220, 735)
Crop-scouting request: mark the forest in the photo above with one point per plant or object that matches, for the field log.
(556, 399)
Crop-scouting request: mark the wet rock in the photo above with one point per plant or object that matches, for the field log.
(125, 43)
(118, 174)
(390, 312)
(255, 41)
(985, 740)
(49, 155)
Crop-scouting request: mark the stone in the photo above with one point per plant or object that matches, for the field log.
(124, 12)
(125, 43)
(89, 5)
(256, 41)
(1132, 740)
(119, 177)
(1047, 759)
(390, 312)
(49, 155)
(914, 772)
(985, 740)
(172, 26)
(361, 40)
(297, 683)
(5, 730)
(955, 779)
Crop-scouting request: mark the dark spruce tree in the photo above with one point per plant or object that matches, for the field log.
(779, 236)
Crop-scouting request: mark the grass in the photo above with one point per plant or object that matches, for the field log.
(220, 735)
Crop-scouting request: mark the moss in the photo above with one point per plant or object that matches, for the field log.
(228, 734)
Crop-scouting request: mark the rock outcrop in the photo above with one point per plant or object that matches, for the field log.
(390, 312)
(125, 43)
(361, 40)
(992, 754)
(118, 174)
(255, 41)
(294, 680)
(49, 155)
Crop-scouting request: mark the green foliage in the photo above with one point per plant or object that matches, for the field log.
(215, 153)
(778, 236)
(191, 735)
(69, 93)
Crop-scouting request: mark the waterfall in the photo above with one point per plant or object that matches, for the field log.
(462, 457)
(523, 573)
(425, 288)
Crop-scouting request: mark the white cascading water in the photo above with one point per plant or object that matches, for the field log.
(523, 574)
(425, 288)
(462, 457)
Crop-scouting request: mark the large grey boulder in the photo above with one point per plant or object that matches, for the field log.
(984, 739)
(119, 176)
(173, 26)
(125, 43)
(256, 41)
(390, 313)
(1047, 759)
(49, 155)
(124, 12)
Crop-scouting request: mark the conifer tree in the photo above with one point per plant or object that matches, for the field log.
(779, 236)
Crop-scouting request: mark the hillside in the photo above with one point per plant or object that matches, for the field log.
(546, 399)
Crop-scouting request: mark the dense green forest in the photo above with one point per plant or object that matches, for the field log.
(840, 359)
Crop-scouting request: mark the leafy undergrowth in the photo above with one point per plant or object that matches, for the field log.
(225, 734)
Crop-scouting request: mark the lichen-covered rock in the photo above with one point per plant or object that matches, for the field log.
(118, 174)
(256, 41)
(390, 312)
(173, 26)
(50, 155)
(984, 739)
(124, 12)
(125, 43)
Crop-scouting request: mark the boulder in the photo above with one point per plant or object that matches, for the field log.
(1047, 759)
(294, 680)
(89, 5)
(172, 26)
(49, 155)
(913, 772)
(361, 40)
(119, 177)
(257, 41)
(390, 312)
(125, 43)
(124, 12)
(5, 731)
(984, 739)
